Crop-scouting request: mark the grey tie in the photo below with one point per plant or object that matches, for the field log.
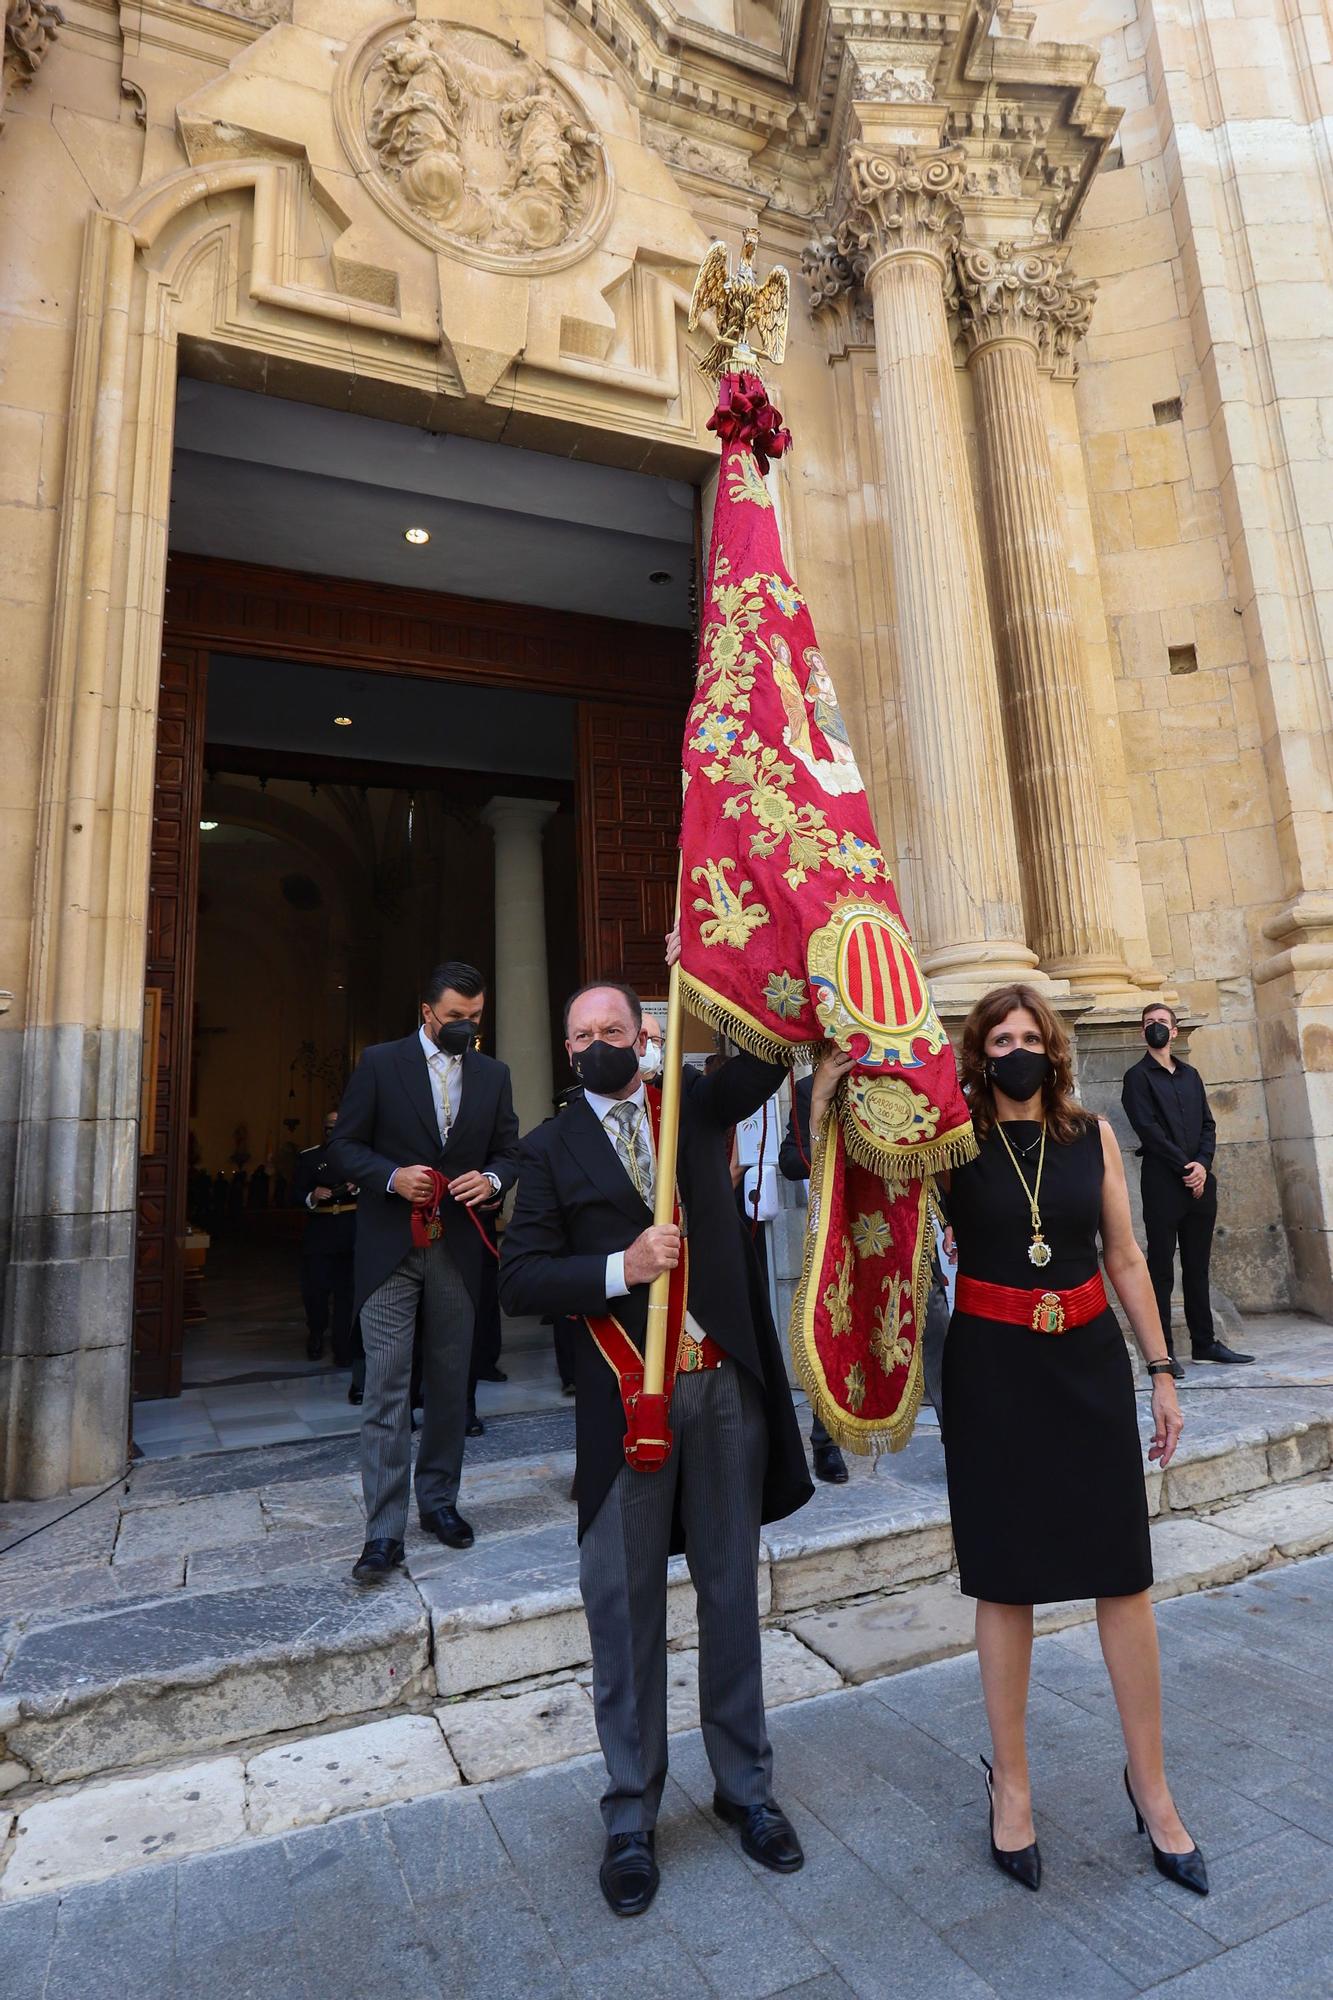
(630, 1134)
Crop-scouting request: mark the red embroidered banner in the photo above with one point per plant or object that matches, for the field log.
(792, 938)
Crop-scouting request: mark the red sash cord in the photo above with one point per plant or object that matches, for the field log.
(427, 1227)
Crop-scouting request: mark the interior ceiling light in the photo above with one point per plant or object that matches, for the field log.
(417, 536)
(659, 576)
(343, 721)
(208, 826)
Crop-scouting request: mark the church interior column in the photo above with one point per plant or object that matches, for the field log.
(522, 992)
(896, 237)
(1015, 305)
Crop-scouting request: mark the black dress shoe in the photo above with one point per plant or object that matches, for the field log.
(830, 1465)
(314, 1347)
(474, 1427)
(355, 1395)
(767, 1835)
(1219, 1351)
(1022, 1863)
(492, 1375)
(1189, 1869)
(448, 1526)
(628, 1873)
(377, 1560)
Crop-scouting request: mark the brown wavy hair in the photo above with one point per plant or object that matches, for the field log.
(1065, 1117)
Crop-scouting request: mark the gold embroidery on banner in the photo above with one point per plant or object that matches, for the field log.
(746, 482)
(870, 1234)
(838, 1295)
(889, 1343)
(855, 1384)
(785, 995)
(731, 921)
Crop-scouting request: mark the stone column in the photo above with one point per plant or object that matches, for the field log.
(522, 993)
(1016, 307)
(896, 238)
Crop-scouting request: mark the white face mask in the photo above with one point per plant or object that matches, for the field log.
(650, 1062)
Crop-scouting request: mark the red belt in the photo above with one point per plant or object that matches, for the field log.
(1044, 1312)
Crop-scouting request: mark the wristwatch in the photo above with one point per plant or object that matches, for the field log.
(1159, 1367)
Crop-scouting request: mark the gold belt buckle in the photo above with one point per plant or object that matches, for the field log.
(1048, 1315)
(691, 1357)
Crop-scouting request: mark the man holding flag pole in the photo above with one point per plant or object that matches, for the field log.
(790, 940)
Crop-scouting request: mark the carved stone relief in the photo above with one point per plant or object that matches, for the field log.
(262, 13)
(474, 146)
(30, 29)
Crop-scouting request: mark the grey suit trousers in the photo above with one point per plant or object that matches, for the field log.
(429, 1278)
(717, 1463)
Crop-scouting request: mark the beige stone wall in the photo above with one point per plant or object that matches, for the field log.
(178, 186)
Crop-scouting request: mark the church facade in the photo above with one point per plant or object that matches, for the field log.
(1061, 377)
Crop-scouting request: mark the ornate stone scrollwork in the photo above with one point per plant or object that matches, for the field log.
(263, 13)
(30, 29)
(890, 84)
(900, 199)
(1023, 292)
(474, 146)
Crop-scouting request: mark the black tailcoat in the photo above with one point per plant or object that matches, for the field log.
(387, 1119)
(576, 1205)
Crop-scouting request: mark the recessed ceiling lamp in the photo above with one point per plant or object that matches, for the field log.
(417, 536)
(659, 576)
(208, 826)
(343, 721)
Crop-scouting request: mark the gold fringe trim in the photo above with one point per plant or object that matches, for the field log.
(868, 1439)
(909, 1163)
(742, 1028)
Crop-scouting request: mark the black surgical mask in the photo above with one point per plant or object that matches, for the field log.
(606, 1067)
(455, 1038)
(1020, 1074)
(1157, 1034)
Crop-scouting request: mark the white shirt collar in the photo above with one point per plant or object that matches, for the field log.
(433, 1054)
(601, 1107)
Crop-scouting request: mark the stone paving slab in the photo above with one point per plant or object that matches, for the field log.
(129, 1686)
(104, 1829)
(479, 1893)
(347, 1770)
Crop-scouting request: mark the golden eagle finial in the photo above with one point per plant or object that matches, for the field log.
(751, 318)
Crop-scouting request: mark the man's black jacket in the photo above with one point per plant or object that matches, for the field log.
(1170, 1114)
(794, 1152)
(576, 1206)
(387, 1119)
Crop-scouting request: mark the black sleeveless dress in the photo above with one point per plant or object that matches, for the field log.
(1041, 1441)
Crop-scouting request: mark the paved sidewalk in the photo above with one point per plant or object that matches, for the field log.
(492, 1892)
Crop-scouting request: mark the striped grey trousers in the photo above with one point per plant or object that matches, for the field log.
(430, 1279)
(717, 1463)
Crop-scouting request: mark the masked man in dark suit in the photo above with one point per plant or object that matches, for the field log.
(1167, 1105)
(582, 1243)
(427, 1104)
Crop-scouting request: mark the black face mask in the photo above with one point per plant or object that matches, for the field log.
(455, 1038)
(1157, 1034)
(1021, 1073)
(606, 1067)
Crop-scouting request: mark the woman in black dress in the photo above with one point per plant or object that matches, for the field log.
(1045, 1468)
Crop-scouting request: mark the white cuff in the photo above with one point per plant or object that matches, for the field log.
(391, 1188)
(616, 1286)
(311, 1203)
(494, 1179)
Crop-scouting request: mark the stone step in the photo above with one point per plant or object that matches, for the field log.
(170, 1631)
(94, 1831)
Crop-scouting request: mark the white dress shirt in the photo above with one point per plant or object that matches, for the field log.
(617, 1285)
(446, 1087)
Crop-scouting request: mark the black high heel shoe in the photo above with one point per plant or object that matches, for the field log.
(1023, 1863)
(1190, 1869)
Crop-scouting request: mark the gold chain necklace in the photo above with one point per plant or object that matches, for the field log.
(1039, 1250)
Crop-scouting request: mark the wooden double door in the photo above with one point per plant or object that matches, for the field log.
(631, 685)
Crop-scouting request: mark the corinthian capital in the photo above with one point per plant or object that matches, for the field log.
(1014, 292)
(900, 199)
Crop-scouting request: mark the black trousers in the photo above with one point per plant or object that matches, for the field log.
(1173, 1217)
(326, 1280)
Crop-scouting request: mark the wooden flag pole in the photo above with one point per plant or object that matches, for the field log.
(654, 1352)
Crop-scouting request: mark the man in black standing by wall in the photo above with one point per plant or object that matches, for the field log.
(1167, 1105)
(327, 1249)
